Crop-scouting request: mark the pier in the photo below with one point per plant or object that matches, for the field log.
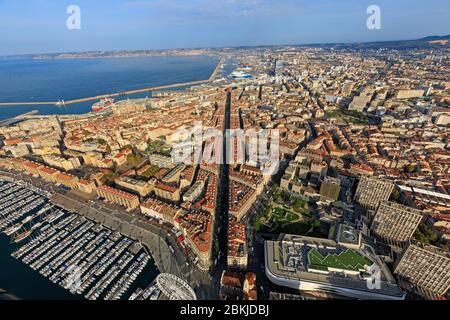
(117, 94)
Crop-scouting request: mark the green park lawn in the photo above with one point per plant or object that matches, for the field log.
(282, 216)
(287, 214)
(289, 201)
(348, 260)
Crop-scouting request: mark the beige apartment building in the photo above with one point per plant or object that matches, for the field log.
(371, 191)
(237, 255)
(424, 270)
(330, 189)
(160, 210)
(138, 186)
(86, 186)
(394, 223)
(48, 174)
(167, 192)
(62, 163)
(119, 197)
(66, 180)
(161, 161)
(409, 94)
(128, 106)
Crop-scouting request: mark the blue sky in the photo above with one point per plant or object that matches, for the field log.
(37, 26)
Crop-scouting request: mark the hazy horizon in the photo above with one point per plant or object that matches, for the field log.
(39, 26)
(218, 47)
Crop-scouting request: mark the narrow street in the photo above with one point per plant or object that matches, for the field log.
(221, 225)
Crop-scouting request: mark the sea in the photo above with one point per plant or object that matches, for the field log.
(28, 80)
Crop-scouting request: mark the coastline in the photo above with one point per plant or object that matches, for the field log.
(129, 92)
(120, 57)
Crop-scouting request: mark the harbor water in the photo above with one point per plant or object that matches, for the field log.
(59, 242)
(28, 80)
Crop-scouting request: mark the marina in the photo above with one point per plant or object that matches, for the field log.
(152, 292)
(85, 258)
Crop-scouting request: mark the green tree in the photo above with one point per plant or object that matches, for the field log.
(134, 159)
(299, 205)
(111, 176)
(315, 224)
(114, 166)
(395, 196)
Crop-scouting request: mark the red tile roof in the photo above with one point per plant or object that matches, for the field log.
(118, 192)
(166, 187)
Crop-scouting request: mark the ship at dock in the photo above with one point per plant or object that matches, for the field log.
(240, 74)
(103, 105)
(22, 236)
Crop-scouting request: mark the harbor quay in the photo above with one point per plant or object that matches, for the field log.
(70, 250)
(157, 240)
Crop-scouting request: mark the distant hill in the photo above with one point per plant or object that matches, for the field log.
(423, 43)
